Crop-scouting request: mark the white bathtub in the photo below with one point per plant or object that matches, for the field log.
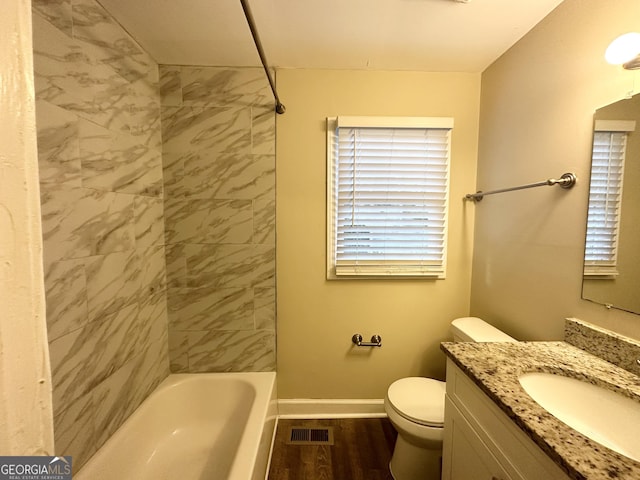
(208, 426)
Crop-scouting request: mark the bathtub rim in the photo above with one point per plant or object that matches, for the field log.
(244, 466)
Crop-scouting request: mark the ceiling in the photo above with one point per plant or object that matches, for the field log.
(419, 35)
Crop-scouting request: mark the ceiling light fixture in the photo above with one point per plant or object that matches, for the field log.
(625, 51)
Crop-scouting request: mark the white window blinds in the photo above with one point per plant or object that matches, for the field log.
(605, 195)
(388, 190)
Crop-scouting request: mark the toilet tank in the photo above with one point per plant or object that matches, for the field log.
(474, 329)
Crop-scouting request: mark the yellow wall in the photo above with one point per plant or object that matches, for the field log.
(536, 122)
(317, 317)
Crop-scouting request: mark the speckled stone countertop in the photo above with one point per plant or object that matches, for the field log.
(495, 368)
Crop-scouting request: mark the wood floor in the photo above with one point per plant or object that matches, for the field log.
(361, 451)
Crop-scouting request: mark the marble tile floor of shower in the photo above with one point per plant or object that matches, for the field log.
(361, 450)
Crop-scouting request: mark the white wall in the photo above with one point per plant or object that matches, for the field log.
(536, 122)
(26, 425)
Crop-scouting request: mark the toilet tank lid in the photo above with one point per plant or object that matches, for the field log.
(418, 399)
(474, 329)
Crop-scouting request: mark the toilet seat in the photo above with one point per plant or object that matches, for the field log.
(419, 400)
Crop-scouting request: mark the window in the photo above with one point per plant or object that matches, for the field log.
(387, 190)
(605, 196)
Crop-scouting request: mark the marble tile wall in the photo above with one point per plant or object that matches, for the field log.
(218, 131)
(99, 145)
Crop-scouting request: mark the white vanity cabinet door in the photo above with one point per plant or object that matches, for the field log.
(491, 433)
(465, 456)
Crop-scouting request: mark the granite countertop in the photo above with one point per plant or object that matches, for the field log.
(495, 368)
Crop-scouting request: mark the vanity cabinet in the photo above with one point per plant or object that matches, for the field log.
(482, 443)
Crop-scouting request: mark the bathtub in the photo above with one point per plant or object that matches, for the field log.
(207, 426)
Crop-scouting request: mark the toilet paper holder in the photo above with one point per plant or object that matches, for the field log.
(376, 341)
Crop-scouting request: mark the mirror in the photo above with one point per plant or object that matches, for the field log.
(612, 247)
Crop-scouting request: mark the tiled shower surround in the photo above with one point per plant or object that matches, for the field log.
(218, 131)
(104, 210)
(99, 148)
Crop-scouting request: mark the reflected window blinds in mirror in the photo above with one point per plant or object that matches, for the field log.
(614, 283)
(605, 197)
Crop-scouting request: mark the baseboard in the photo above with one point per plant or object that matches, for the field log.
(331, 408)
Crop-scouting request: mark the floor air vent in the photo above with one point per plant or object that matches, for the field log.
(310, 436)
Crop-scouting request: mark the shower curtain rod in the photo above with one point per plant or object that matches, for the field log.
(256, 39)
(567, 180)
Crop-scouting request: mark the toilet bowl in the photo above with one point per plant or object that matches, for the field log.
(415, 407)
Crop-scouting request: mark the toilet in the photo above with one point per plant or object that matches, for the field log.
(415, 407)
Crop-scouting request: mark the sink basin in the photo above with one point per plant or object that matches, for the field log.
(603, 415)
